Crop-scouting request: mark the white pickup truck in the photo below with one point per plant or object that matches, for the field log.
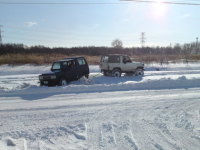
(117, 64)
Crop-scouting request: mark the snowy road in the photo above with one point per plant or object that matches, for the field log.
(160, 111)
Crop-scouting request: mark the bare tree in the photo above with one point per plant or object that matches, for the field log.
(117, 43)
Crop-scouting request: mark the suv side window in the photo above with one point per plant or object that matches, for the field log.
(81, 61)
(64, 64)
(114, 59)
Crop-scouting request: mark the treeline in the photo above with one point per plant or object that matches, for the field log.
(96, 51)
(21, 54)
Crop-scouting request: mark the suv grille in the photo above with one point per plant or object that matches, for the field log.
(46, 77)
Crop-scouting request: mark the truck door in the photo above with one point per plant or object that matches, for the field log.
(126, 63)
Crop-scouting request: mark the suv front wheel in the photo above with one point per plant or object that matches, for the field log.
(139, 72)
(116, 73)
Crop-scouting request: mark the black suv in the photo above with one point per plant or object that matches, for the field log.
(64, 71)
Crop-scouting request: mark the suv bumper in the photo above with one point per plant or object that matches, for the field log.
(48, 82)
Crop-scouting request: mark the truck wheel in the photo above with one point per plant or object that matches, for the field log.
(139, 72)
(116, 73)
(63, 82)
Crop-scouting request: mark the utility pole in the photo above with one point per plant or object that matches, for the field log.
(197, 41)
(1, 35)
(143, 39)
(197, 45)
(170, 45)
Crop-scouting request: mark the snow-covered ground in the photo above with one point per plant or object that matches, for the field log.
(159, 111)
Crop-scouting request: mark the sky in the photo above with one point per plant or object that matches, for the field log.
(98, 24)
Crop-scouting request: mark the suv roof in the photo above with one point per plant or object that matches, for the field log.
(63, 60)
(115, 55)
(68, 59)
(73, 57)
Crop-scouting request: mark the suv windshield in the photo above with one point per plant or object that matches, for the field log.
(56, 66)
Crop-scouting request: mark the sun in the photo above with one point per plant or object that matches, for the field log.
(159, 9)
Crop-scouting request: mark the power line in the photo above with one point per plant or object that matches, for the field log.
(185, 2)
(164, 2)
(60, 3)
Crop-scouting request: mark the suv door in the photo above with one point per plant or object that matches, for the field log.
(69, 70)
(83, 68)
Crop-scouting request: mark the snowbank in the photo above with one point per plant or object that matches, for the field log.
(173, 76)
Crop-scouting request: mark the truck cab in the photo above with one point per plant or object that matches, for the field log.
(117, 64)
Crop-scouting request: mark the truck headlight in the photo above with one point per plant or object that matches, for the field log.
(41, 77)
(53, 77)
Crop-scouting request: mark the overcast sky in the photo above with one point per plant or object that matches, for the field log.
(98, 25)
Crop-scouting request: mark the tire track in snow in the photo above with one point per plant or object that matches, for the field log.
(13, 144)
(33, 145)
(108, 140)
(160, 127)
(150, 138)
(93, 136)
(124, 136)
(101, 135)
(45, 145)
(49, 138)
(93, 130)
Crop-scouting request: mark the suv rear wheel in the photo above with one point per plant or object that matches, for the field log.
(139, 72)
(87, 76)
(116, 73)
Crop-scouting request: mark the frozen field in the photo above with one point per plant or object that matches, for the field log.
(159, 111)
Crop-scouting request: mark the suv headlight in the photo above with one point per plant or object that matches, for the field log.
(41, 77)
(53, 77)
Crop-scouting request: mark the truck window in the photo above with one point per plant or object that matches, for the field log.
(104, 59)
(126, 59)
(114, 59)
